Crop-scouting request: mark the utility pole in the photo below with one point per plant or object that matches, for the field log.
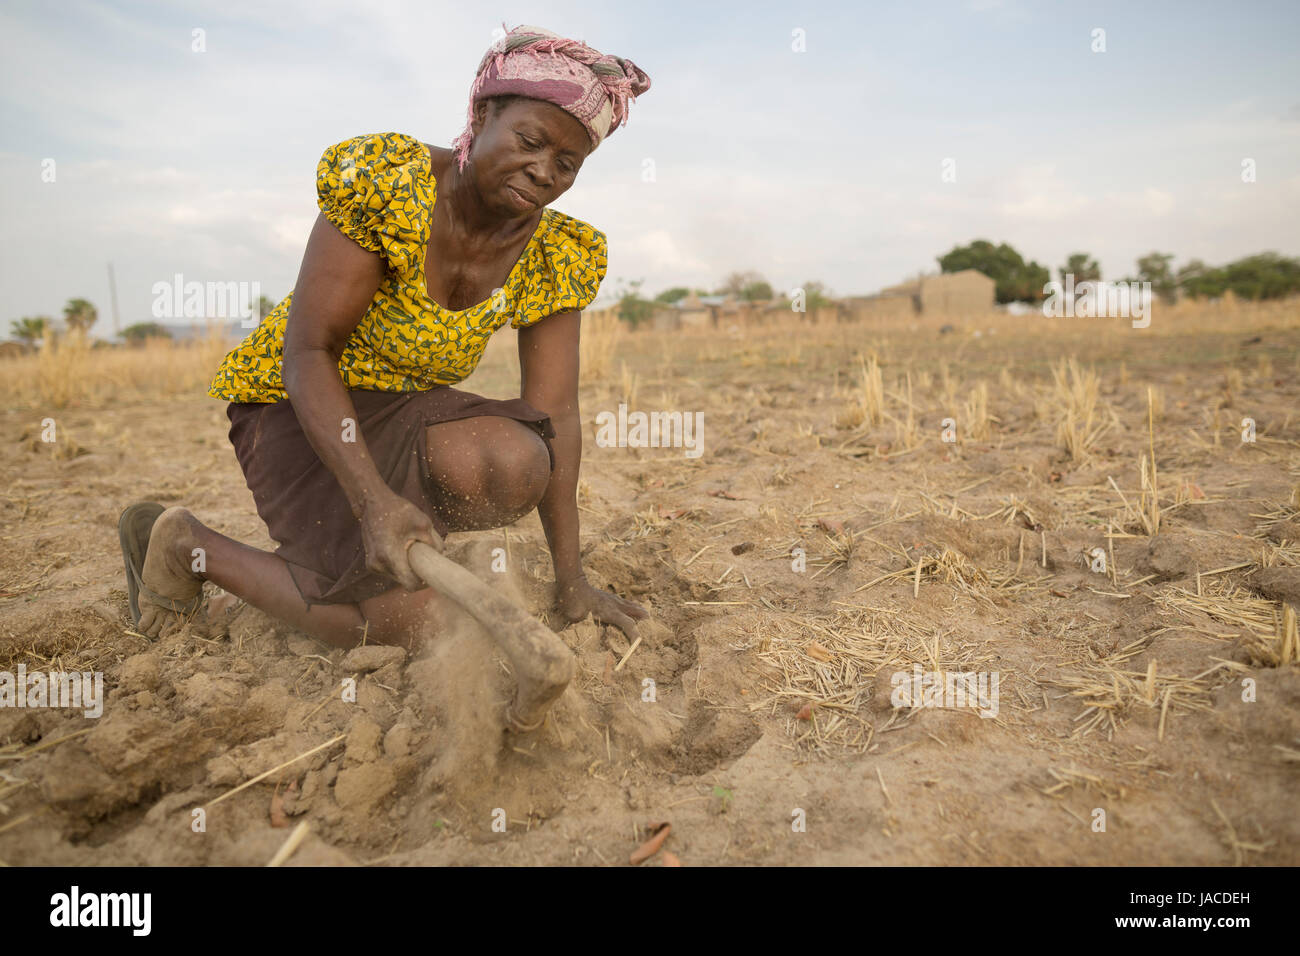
(112, 292)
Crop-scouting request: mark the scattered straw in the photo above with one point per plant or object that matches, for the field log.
(23, 819)
(883, 789)
(635, 645)
(290, 844)
(1239, 849)
(262, 776)
(44, 745)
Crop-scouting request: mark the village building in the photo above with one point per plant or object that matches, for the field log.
(950, 294)
(955, 294)
(710, 312)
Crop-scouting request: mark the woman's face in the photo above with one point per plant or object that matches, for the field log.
(527, 155)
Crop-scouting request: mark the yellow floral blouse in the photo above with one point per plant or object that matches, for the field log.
(380, 191)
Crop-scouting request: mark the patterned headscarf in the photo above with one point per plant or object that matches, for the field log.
(529, 61)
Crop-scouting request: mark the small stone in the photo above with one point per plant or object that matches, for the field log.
(397, 742)
(362, 788)
(270, 702)
(363, 740)
(223, 771)
(371, 657)
(390, 675)
(139, 673)
(203, 693)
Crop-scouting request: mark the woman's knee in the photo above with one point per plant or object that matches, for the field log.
(492, 460)
(520, 470)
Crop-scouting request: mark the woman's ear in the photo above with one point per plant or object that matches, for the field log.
(481, 110)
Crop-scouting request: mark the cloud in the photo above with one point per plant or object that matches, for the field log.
(1038, 192)
(660, 252)
(1158, 202)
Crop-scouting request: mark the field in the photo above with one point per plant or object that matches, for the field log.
(1097, 535)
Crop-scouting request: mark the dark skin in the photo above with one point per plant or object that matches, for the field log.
(489, 471)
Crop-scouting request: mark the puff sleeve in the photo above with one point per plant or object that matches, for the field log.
(572, 260)
(370, 188)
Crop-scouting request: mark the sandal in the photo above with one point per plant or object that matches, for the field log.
(133, 530)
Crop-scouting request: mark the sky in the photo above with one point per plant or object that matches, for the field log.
(800, 140)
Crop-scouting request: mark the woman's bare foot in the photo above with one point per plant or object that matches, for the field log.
(168, 569)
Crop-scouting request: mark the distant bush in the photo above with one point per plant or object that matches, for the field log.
(137, 334)
(1267, 275)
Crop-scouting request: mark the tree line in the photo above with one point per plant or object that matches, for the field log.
(634, 308)
(1266, 275)
(80, 315)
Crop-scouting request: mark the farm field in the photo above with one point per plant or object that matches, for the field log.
(1097, 534)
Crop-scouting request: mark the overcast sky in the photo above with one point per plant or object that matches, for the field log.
(824, 164)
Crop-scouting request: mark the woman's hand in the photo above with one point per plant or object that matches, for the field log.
(576, 599)
(389, 525)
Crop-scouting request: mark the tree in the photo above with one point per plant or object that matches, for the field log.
(675, 294)
(632, 308)
(1154, 268)
(1263, 276)
(1017, 280)
(744, 284)
(815, 295)
(136, 334)
(28, 330)
(1082, 266)
(1200, 281)
(264, 307)
(79, 314)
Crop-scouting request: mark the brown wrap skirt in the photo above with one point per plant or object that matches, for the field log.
(302, 503)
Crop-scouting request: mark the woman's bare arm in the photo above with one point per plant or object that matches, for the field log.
(548, 380)
(336, 283)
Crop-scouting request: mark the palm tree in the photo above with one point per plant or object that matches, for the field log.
(29, 330)
(79, 314)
